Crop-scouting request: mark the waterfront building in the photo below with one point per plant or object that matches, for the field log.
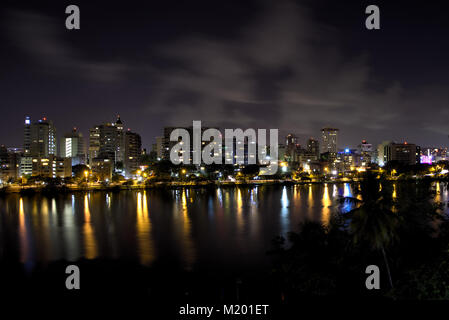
(102, 168)
(133, 152)
(39, 138)
(405, 153)
(72, 146)
(313, 147)
(106, 141)
(52, 167)
(366, 153)
(329, 140)
(94, 144)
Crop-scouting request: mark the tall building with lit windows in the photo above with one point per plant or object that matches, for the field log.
(39, 138)
(133, 152)
(106, 141)
(27, 136)
(313, 147)
(406, 153)
(94, 144)
(167, 145)
(329, 140)
(72, 146)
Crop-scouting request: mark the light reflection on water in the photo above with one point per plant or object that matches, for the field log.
(187, 227)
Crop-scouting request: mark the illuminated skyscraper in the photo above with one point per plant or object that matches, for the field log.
(133, 151)
(329, 140)
(94, 144)
(72, 146)
(106, 141)
(39, 138)
(313, 147)
(27, 136)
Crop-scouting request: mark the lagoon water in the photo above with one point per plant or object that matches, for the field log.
(191, 229)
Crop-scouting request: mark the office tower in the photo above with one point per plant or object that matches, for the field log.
(405, 153)
(27, 136)
(381, 156)
(39, 138)
(313, 147)
(133, 152)
(120, 148)
(167, 145)
(291, 140)
(72, 146)
(292, 147)
(159, 147)
(94, 144)
(329, 140)
(106, 141)
(366, 152)
(348, 159)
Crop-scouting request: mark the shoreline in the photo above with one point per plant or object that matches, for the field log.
(173, 185)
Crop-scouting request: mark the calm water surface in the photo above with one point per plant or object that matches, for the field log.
(190, 228)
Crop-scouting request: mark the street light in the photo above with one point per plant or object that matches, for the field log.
(86, 174)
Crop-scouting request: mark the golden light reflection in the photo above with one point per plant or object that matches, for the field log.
(188, 248)
(326, 202)
(296, 194)
(90, 246)
(239, 211)
(220, 196)
(438, 192)
(44, 231)
(24, 249)
(310, 202)
(254, 217)
(145, 241)
(394, 195)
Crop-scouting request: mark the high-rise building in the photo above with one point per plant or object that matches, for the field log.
(39, 138)
(133, 152)
(159, 147)
(329, 140)
(94, 144)
(406, 153)
(27, 136)
(120, 148)
(381, 156)
(291, 140)
(167, 145)
(366, 152)
(106, 141)
(292, 147)
(313, 147)
(72, 146)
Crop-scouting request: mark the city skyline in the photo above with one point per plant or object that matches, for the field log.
(299, 139)
(234, 64)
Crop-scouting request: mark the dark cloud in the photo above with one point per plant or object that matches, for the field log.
(41, 38)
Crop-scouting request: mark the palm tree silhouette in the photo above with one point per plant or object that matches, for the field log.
(373, 219)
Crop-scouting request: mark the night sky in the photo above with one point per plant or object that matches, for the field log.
(292, 65)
